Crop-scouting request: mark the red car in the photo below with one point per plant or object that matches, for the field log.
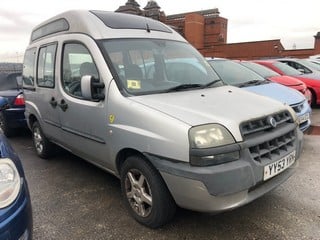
(312, 80)
(273, 76)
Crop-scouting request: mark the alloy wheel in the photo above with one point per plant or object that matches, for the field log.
(138, 192)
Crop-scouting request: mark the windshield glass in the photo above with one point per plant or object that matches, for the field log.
(287, 70)
(234, 73)
(309, 64)
(146, 66)
(8, 81)
(261, 70)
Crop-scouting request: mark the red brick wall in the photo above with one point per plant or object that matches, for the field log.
(317, 45)
(256, 50)
(215, 31)
(194, 30)
(209, 35)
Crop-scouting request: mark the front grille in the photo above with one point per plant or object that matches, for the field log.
(270, 137)
(263, 124)
(273, 148)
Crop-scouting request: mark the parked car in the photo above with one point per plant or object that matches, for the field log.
(15, 204)
(313, 60)
(187, 140)
(236, 74)
(12, 104)
(312, 80)
(273, 76)
(301, 65)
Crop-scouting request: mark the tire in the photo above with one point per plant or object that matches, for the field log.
(7, 131)
(313, 99)
(145, 193)
(44, 148)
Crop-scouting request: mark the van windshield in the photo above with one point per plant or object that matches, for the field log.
(147, 66)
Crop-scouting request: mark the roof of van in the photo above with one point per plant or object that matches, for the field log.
(103, 25)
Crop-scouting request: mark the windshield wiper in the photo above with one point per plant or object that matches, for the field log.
(252, 82)
(184, 87)
(211, 83)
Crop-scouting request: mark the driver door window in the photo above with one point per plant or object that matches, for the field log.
(77, 62)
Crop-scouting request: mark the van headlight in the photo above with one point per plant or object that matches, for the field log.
(210, 135)
(9, 182)
(212, 144)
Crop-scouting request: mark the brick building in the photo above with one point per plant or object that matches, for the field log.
(207, 32)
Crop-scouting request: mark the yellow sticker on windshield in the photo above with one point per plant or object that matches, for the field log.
(133, 84)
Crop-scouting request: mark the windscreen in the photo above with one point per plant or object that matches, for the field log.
(147, 66)
(261, 70)
(287, 70)
(8, 81)
(309, 64)
(234, 73)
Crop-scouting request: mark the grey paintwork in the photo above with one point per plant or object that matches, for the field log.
(154, 125)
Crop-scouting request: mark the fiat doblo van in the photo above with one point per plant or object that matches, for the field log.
(131, 96)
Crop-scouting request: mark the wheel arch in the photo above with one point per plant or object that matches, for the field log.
(125, 153)
(313, 96)
(31, 120)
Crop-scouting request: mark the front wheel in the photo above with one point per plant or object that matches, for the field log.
(146, 195)
(313, 98)
(42, 145)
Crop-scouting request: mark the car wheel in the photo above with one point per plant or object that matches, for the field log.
(42, 145)
(7, 131)
(313, 99)
(146, 195)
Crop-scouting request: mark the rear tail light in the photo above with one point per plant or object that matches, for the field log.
(19, 101)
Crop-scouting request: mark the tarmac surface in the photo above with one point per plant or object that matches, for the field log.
(73, 199)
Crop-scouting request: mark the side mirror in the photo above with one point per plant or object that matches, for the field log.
(301, 70)
(91, 88)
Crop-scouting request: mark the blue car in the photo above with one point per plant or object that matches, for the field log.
(233, 73)
(12, 104)
(15, 203)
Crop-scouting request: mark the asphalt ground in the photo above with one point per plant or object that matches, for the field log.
(73, 199)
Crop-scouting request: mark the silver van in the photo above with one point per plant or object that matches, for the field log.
(131, 96)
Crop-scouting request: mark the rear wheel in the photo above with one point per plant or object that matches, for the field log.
(42, 145)
(7, 131)
(146, 195)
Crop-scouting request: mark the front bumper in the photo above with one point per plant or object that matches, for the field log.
(221, 187)
(16, 219)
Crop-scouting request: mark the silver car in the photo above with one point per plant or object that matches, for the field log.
(131, 96)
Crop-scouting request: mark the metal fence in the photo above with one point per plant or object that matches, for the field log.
(10, 67)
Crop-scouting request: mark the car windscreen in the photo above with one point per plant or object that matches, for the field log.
(147, 66)
(309, 64)
(234, 73)
(287, 70)
(261, 70)
(8, 81)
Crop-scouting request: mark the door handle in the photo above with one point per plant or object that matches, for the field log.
(63, 105)
(53, 102)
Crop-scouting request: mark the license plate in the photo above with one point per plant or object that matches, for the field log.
(304, 118)
(279, 166)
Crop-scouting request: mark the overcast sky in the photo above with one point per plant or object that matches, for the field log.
(295, 23)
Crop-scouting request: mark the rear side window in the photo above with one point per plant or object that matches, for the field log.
(45, 73)
(28, 67)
